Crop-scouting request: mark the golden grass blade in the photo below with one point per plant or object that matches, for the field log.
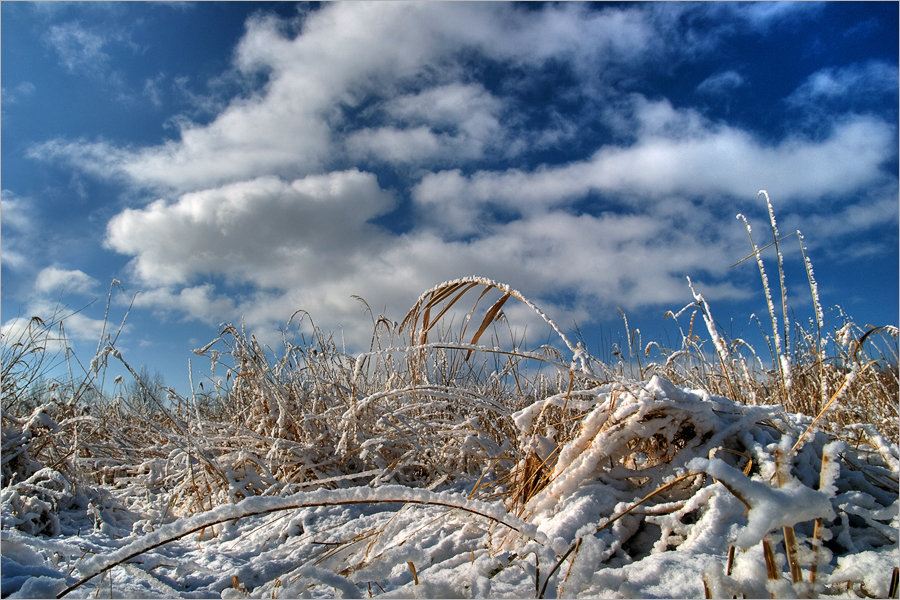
(706, 591)
(488, 319)
(440, 295)
(782, 470)
(572, 562)
(427, 325)
(472, 312)
(771, 566)
(790, 546)
(816, 542)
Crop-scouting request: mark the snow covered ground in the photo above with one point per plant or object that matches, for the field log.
(664, 492)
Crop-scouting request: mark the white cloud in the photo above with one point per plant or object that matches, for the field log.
(25, 89)
(198, 302)
(603, 262)
(91, 50)
(832, 225)
(453, 122)
(53, 280)
(468, 106)
(79, 49)
(764, 15)
(76, 326)
(721, 83)
(857, 82)
(16, 212)
(254, 202)
(266, 231)
(346, 54)
(99, 158)
(43, 300)
(393, 145)
(152, 89)
(307, 245)
(678, 154)
(18, 230)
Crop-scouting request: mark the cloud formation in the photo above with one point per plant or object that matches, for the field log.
(275, 205)
(53, 280)
(847, 83)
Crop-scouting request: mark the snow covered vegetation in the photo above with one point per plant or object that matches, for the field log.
(451, 460)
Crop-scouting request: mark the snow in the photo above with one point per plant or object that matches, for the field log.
(600, 527)
(867, 568)
(769, 508)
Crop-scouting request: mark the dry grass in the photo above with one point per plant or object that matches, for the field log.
(428, 405)
(416, 414)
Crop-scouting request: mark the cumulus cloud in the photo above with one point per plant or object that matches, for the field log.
(451, 122)
(54, 280)
(200, 302)
(677, 154)
(266, 231)
(51, 284)
(76, 325)
(345, 55)
(256, 213)
(16, 212)
(602, 261)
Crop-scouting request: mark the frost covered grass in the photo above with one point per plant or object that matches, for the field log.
(451, 459)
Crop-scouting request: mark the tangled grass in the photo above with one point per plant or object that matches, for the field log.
(533, 429)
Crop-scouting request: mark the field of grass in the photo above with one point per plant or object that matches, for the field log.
(452, 460)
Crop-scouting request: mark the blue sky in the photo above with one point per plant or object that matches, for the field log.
(240, 161)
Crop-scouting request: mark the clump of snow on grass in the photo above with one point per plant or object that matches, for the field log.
(770, 508)
(872, 569)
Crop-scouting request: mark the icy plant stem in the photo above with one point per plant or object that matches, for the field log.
(820, 317)
(825, 477)
(778, 354)
(816, 541)
(785, 322)
(782, 471)
(771, 567)
(718, 342)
